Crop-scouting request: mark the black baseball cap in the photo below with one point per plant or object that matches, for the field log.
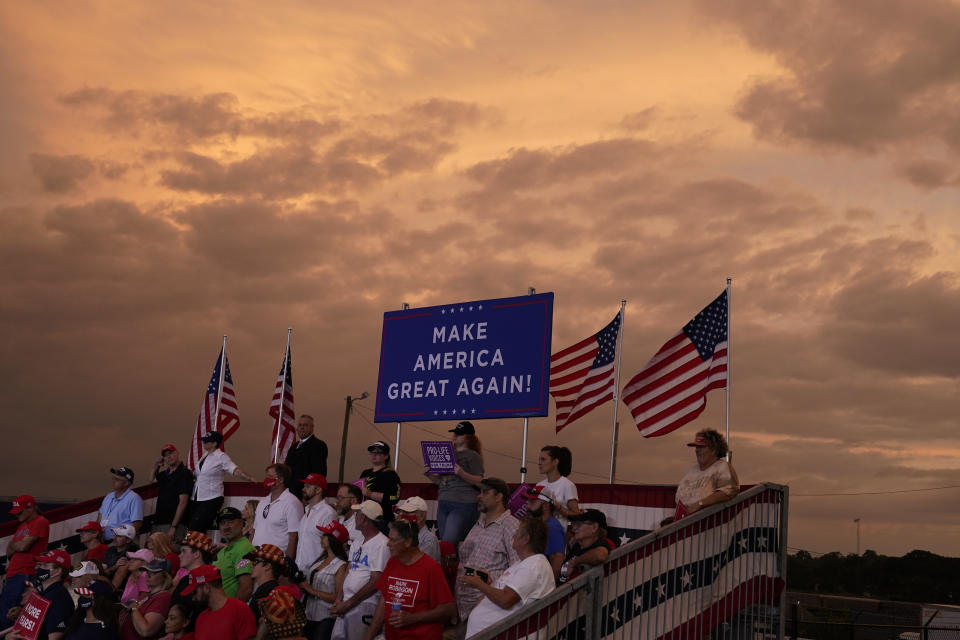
(123, 472)
(229, 513)
(213, 436)
(464, 428)
(591, 515)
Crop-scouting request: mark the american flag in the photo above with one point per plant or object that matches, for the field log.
(582, 376)
(671, 389)
(287, 430)
(229, 418)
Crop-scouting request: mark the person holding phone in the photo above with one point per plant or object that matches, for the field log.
(529, 579)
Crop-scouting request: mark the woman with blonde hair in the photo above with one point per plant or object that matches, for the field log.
(162, 547)
(144, 617)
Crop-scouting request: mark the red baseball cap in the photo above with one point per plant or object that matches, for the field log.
(56, 556)
(337, 530)
(22, 502)
(201, 575)
(316, 480)
(93, 525)
(167, 447)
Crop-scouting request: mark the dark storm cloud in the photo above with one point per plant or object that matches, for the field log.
(194, 118)
(527, 169)
(281, 172)
(928, 173)
(861, 75)
(59, 174)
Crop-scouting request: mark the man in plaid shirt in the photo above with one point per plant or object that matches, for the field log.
(489, 545)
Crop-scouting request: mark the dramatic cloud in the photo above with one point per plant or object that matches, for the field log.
(58, 174)
(324, 166)
(858, 75)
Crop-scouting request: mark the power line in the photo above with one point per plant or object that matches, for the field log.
(871, 493)
(485, 449)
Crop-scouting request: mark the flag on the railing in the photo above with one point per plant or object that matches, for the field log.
(583, 375)
(671, 389)
(700, 576)
(227, 420)
(283, 422)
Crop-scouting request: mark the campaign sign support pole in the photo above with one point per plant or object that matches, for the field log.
(396, 447)
(526, 425)
(616, 397)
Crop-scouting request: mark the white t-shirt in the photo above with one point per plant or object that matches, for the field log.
(562, 490)
(351, 526)
(283, 518)
(309, 545)
(365, 558)
(531, 579)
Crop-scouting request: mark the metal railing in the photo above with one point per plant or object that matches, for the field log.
(718, 573)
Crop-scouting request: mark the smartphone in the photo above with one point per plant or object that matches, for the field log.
(483, 575)
(468, 571)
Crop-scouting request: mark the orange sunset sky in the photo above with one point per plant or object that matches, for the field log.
(171, 172)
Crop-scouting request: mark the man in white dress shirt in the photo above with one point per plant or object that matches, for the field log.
(317, 514)
(278, 515)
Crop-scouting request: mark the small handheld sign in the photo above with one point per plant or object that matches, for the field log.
(30, 620)
(438, 456)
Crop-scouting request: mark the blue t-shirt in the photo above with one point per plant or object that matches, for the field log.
(556, 537)
(114, 511)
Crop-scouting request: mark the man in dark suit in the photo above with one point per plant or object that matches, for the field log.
(307, 455)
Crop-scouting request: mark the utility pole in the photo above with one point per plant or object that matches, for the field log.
(857, 520)
(346, 427)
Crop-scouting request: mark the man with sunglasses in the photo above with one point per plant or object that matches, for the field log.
(234, 568)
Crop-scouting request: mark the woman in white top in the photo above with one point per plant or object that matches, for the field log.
(556, 463)
(207, 495)
(323, 578)
(529, 579)
(711, 480)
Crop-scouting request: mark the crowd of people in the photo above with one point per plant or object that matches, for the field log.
(358, 565)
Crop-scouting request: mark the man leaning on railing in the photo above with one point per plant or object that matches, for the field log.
(590, 545)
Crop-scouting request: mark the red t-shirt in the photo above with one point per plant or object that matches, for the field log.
(418, 587)
(233, 621)
(22, 561)
(97, 553)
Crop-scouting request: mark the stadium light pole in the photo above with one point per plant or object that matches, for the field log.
(346, 427)
(857, 520)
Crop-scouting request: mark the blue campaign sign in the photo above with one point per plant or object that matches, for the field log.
(469, 360)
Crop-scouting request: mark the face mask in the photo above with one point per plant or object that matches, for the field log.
(41, 576)
(269, 483)
(84, 602)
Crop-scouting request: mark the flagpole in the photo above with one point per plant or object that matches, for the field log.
(223, 369)
(283, 391)
(729, 344)
(616, 393)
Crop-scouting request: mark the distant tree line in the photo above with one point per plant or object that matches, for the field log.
(919, 576)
